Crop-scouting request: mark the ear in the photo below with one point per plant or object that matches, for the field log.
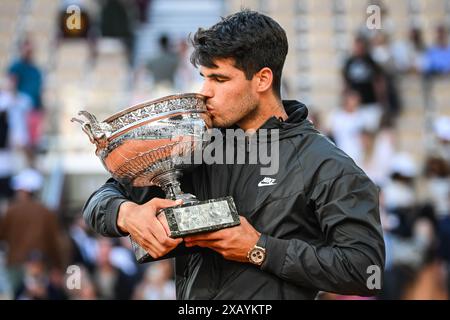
(264, 79)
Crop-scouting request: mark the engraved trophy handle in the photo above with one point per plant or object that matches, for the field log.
(98, 132)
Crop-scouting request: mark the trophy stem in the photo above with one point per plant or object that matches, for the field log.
(169, 182)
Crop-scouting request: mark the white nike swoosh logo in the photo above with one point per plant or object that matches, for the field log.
(263, 184)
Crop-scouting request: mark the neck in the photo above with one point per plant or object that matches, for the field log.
(268, 107)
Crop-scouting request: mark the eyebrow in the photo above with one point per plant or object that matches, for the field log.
(215, 75)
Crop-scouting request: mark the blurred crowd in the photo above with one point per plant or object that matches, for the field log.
(414, 196)
(38, 246)
(44, 257)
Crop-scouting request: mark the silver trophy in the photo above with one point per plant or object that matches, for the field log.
(147, 145)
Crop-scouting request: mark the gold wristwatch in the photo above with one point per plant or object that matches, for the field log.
(257, 254)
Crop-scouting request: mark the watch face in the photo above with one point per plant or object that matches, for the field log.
(257, 255)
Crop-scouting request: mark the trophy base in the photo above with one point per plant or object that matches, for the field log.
(192, 218)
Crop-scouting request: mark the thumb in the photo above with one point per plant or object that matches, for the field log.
(159, 203)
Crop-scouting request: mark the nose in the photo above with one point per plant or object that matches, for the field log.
(206, 90)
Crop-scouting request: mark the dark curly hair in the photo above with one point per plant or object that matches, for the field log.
(252, 39)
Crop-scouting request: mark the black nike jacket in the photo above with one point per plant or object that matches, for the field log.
(320, 213)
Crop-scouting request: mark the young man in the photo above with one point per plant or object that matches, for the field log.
(315, 226)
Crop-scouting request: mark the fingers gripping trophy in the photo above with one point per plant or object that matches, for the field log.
(145, 145)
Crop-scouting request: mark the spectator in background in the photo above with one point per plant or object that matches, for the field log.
(437, 174)
(158, 282)
(437, 58)
(382, 54)
(362, 74)
(17, 105)
(28, 226)
(29, 81)
(410, 237)
(381, 51)
(400, 194)
(441, 128)
(405, 256)
(84, 245)
(14, 108)
(409, 56)
(110, 281)
(37, 283)
(346, 124)
(116, 21)
(378, 148)
(164, 65)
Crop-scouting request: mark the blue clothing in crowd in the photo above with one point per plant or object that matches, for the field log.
(437, 60)
(29, 80)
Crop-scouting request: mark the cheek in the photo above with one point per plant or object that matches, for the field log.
(239, 94)
(232, 98)
(228, 92)
(226, 98)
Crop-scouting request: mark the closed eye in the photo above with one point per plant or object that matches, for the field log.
(217, 77)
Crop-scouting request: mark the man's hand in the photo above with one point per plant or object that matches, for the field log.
(232, 243)
(149, 231)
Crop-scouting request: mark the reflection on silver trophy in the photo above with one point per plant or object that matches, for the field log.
(145, 145)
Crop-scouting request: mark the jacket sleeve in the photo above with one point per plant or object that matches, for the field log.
(353, 255)
(101, 209)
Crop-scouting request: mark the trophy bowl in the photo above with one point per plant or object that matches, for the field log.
(150, 144)
(142, 142)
